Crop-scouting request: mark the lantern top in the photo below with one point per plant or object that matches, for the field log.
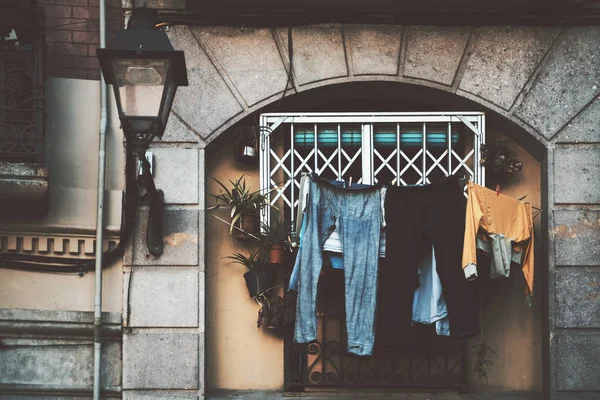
(143, 40)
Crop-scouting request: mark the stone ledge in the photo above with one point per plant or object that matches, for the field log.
(23, 189)
(55, 245)
(57, 366)
(56, 323)
(357, 394)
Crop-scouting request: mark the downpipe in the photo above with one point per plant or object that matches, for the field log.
(100, 215)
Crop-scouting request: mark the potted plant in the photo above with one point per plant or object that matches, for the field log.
(500, 161)
(246, 149)
(277, 315)
(244, 205)
(275, 241)
(257, 279)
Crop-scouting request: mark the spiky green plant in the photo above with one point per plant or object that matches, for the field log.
(239, 199)
(250, 261)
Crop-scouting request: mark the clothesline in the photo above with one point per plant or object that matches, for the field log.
(283, 183)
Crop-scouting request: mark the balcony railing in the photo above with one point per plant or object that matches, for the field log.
(21, 101)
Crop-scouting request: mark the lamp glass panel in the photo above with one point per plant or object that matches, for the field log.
(140, 84)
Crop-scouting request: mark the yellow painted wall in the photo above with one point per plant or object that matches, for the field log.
(511, 328)
(238, 355)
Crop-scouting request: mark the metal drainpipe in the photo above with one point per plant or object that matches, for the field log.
(100, 215)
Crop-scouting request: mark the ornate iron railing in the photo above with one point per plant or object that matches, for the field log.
(433, 362)
(21, 102)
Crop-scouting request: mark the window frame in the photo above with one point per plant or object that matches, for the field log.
(272, 124)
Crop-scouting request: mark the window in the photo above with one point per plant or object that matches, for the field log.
(394, 148)
(21, 92)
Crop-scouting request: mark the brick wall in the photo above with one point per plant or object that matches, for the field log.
(72, 35)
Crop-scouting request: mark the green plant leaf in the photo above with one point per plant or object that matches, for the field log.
(233, 221)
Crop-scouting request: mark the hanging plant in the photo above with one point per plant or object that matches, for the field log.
(277, 315)
(244, 204)
(246, 149)
(500, 161)
(484, 359)
(275, 242)
(258, 279)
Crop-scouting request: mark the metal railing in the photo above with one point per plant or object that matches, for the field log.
(393, 148)
(21, 102)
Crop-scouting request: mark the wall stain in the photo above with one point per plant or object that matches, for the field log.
(179, 238)
(584, 225)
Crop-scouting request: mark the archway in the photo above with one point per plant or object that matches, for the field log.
(519, 365)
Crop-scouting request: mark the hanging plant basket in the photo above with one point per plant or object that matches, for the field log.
(500, 161)
(257, 282)
(246, 150)
(278, 315)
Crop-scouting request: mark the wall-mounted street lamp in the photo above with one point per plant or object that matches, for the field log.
(145, 72)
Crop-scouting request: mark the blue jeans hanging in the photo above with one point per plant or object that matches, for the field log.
(357, 215)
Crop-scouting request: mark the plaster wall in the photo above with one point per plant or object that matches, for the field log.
(509, 326)
(71, 152)
(239, 356)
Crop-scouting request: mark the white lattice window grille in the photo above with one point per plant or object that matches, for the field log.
(392, 148)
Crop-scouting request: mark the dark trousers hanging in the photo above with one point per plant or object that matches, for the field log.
(415, 216)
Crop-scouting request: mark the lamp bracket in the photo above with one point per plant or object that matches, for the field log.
(150, 158)
(143, 18)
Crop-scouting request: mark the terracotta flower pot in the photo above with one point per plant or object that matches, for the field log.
(249, 223)
(277, 254)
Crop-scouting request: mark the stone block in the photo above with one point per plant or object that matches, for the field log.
(176, 174)
(164, 297)
(23, 189)
(160, 360)
(434, 53)
(177, 131)
(202, 300)
(584, 128)
(577, 299)
(576, 237)
(502, 60)
(577, 365)
(180, 238)
(250, 59)
(159, 4)
(569, 81)
(576, 172)
(47, 364)
(318, 52)
(161, 395)
(29, 396)
(207, 103)
(375, 49)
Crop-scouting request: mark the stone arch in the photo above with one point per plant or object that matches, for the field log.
(544, 79)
